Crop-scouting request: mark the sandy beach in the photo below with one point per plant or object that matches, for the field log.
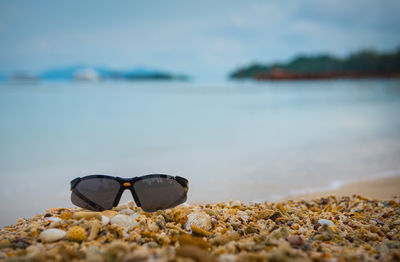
(317, 227)
(383, 188)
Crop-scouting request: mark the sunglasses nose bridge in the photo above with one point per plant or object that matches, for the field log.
(125, 182)
(120, 192)
(126, 185)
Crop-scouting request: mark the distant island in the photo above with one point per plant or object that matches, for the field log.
(363, 64)
(87, 73)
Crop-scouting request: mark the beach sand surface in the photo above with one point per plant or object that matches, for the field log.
(325, 229)
(383, 188)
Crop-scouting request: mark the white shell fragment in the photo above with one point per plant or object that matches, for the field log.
(52, 234)
(126, 211)
(124, 221)
(104, 220)
(325, 221)
(199, 219)
(236, 203)
(53, 219)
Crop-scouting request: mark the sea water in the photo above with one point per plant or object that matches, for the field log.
(252, 141)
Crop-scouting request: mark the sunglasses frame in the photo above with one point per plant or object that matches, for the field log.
(125, 183)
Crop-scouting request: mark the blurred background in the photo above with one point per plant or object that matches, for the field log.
(249, 100)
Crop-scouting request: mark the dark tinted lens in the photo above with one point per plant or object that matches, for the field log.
(76, 200)
(159, 193)
(101, 191)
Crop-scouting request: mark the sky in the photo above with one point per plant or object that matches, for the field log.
(204, 39)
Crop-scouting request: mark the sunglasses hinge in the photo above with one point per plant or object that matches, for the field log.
(75, 182)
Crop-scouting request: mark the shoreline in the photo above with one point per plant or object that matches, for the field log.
(376, 188)
(292, 76)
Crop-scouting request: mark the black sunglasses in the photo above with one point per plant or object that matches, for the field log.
(151, 192)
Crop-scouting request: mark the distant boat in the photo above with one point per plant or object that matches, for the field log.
(87, 74)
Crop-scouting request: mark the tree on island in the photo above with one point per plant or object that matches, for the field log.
(366, 63)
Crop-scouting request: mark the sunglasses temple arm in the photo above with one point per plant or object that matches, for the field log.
(88, 201)
(183, 181)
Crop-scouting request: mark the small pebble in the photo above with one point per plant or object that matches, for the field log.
(295, 240)
(76, 233)
(87, 215)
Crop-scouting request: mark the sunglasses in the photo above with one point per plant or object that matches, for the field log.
(151, 192)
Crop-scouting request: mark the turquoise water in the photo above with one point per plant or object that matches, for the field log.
(247, 141)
